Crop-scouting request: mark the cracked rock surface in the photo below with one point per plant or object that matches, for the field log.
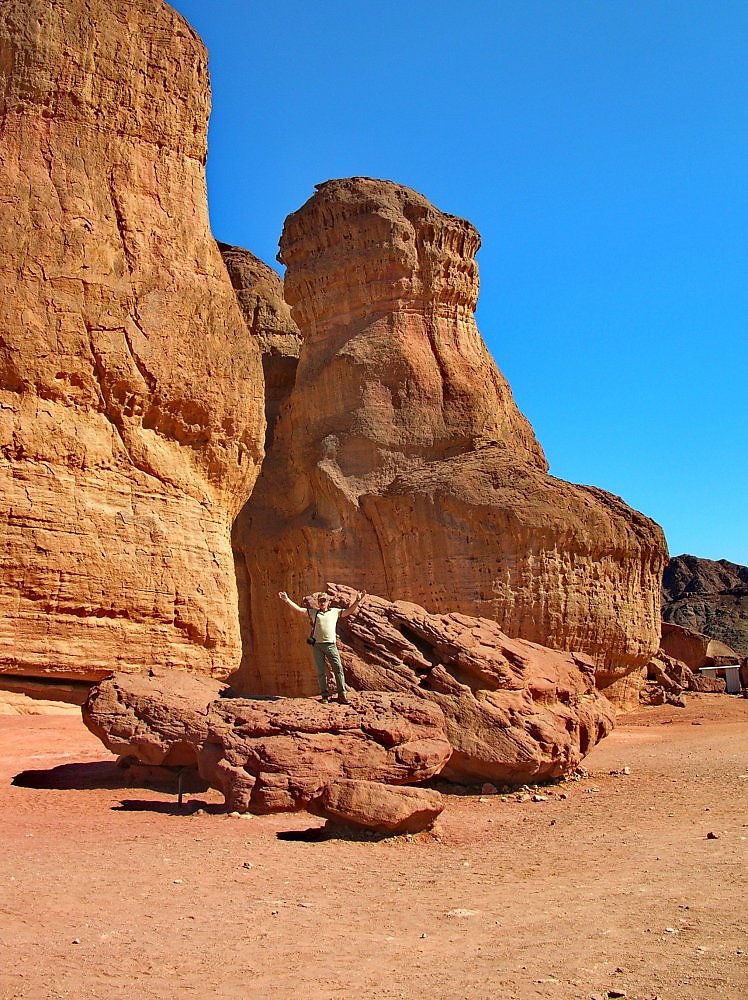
(514, 711)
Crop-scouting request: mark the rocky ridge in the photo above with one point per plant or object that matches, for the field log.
(708, 596)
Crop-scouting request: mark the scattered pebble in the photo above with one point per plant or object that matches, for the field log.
(671, 930)
(177, 881)
(76, 940)
(423, 936)
(616, 993)
(540, 798)
(712, 835)
(247, 864)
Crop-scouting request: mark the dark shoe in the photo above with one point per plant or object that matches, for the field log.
(342, 700)
(326, 696)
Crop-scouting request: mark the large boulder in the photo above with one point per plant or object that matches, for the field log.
(131, 394)
(401, 463)
(282, 754)
(514, 711)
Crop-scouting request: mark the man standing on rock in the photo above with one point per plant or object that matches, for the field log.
(323, 639)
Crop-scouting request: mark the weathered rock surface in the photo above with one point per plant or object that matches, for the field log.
(401, 463)
(131, 395)
(259, 290)
(515, 711)
(280, 754)
(708, 596)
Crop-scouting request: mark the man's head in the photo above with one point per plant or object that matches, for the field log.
(323, 601)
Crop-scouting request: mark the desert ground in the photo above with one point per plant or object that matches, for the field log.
(628, 881)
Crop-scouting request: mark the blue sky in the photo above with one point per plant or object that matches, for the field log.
(601, 149)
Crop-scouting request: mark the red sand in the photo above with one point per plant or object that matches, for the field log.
(615, 888)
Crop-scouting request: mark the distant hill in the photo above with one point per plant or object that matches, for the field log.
(709, 597)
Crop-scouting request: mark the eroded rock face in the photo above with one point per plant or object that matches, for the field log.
(401, 463)
(515, 711)
(131, 396)
(259, 290)
(708, 596)
(282, 754)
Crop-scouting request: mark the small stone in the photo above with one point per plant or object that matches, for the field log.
(540, 798)
(423, 936)
(712, 835)
(234, 815)
(177, 881)
(616, 993)
(76, 940)
(563, 795)
(670, 930)
(626, 770)
(247, 864)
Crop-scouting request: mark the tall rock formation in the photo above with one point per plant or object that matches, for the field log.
(131, 409)
(708, 596)
(401, 464)
(259, 290)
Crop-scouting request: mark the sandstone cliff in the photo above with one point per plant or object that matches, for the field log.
(401, 463)
(709, 597)
(131, 409)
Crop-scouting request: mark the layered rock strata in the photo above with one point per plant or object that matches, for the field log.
(515, 712)
(401, 463)
(131, 396)
(708, 596)
(343, 762)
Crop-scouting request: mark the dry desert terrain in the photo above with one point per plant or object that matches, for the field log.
(633, 884)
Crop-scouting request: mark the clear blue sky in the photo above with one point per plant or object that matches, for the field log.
(601, 149)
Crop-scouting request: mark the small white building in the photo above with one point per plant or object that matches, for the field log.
(730, 673)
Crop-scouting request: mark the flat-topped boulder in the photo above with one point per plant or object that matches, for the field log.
(343, 762)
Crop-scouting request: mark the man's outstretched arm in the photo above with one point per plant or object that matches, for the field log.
(355, 606)
(292, 604)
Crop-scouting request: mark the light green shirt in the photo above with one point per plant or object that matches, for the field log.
(325, 623)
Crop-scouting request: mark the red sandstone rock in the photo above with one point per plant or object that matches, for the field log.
(280, 754)
(515, 711)
(401, 463)
(131, 409)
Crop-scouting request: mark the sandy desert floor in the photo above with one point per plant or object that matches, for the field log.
(109, 891)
